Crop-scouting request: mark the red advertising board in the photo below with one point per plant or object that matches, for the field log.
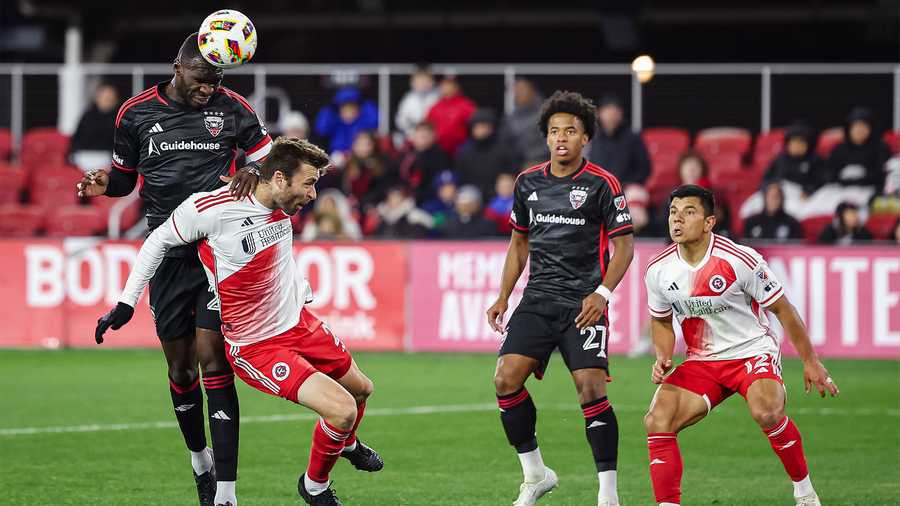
(54, 291)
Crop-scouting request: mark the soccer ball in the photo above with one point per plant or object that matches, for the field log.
(227, 39)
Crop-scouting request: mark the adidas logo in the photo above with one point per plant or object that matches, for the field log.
(157, 129)
(596, 423)
(220, 415)
(788, 445)
(673, 286)
(184, 407)
(657, 461)
(533, 196)
(247, 222)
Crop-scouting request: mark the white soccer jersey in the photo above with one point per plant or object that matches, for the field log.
(719, 303)
(246, 250)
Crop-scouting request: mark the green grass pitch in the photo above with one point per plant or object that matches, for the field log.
(434, 420)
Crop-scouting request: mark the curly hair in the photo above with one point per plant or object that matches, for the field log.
(288, 153)
(569, 102)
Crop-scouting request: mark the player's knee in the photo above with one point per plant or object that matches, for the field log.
(344, 413)
(504, 384)
(590, 391)
(182, 375)
(657, 421)
(767, 416)
(363, 391)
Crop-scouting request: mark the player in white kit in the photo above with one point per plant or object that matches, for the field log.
(718, 291)
(273, 342)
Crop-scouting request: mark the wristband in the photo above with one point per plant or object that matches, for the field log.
(604, 292)
(252, 168)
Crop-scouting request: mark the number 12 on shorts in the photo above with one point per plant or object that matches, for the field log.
(592, 342)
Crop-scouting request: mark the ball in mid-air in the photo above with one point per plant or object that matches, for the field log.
(227, 39)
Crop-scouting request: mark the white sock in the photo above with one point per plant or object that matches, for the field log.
(348, 449)
(803, 487)
(314, 487)
(225, 493)
(607, 485)
(668, 504)
(201, 461)
(532, 466)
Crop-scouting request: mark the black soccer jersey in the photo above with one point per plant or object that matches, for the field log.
(179, 150)
(569, 222)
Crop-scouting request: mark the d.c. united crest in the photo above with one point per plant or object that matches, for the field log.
(578, 196)
(213, 124)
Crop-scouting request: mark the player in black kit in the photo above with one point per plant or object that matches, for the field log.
(181, 137)
(565, 214)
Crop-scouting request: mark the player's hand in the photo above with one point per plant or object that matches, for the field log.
(242, 183)
(660, 368)
(592, 308)
(814, 373)
(495, 315)
(93, 184)
(118, 316)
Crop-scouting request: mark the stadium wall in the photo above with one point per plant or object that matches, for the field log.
(431, 296)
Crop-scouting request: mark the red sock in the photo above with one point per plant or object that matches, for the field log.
(360, 410)
(665, 466)
(785, 440)
(327, 444)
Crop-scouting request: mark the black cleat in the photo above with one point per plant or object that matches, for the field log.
(326, 498)
(226, 504)
(206, 485)
(364, 458)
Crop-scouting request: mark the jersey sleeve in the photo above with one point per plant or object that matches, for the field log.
(614, 209)
(519, 218)
(759, 282)
(656, 302)
(126, 145)
(252, 135)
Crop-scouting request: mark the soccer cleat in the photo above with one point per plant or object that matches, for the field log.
(529, 493)
(364, 458)
(603, 501)
(226, 504)
(808, 500)
(326, 498)
(206, 484)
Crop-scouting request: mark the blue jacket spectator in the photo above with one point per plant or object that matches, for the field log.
(350, 114)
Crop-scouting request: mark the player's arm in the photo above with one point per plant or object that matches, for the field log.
(254, 139)
(516, 256)
(663, 336)
(814, 373)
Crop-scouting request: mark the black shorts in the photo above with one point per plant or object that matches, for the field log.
(180, 298)
(537, 328)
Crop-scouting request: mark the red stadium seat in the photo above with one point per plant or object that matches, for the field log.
(828, 139)
(813, 226)
(663, 178)
(713, 141)
(768, 145)
(665, 140)
(12, 182)
(130, 216)
(892, 139)
(75, 220)
(55, 186)
(727, 174)
(882, 225)
(43, 146)
(5, 144)
(17, 220)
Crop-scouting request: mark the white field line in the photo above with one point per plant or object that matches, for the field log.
(414, 410)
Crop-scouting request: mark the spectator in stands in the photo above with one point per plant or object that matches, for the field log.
(294, 124)
(846, 228)
(773, 222)
(859, 160)
(484, 156)
(638, 199)
(414, 106)
(450, 116)
(444, 201)
(423, 162)
(399, 218)
(91, 145)
(798, 162)
(339, 122)
(693, 169)
(467, 222)
(499, 208)
(615, 147)
(520, 132)
(368, 174)
(331, 219)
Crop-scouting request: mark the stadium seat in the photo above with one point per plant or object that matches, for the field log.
(43, 146)
(713, 141)
(882, 225)
(767, 147)
(663, 178)
(130, 216)
(54, 186)
(828, 139)
(813, 226)
(892, 139)
(726, 172)
(13, 182)
(75, 220)
(665, 140)
(5, 144)
(18, 220)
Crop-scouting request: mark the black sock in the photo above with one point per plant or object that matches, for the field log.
(224, 422)
(602, 432)
(188, 404)
(518, 414)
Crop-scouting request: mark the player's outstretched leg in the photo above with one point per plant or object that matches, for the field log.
(601, 429)
(519, 416)
(337, 409)
(766, 398)
(358, 453)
